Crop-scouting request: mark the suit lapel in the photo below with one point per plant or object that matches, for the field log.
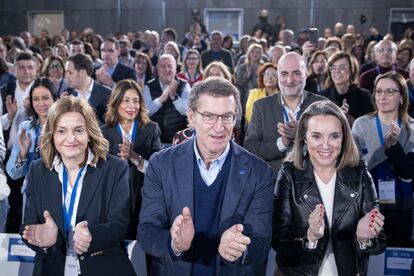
(237, 179)
(94, 98)
(310, 192)
(91, 181)
(54, 193)
(345, 195)
(183, 175)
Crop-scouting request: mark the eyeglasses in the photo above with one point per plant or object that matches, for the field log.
(386, 50)
(341, 68)
(388, 92)
(268, 75)
(211, 118)
(55, 66)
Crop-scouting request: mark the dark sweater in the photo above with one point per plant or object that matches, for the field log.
(167, 117)
(358, 99)
(208, 201)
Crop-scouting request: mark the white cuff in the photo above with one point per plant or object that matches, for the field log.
(364, 245)
(311, 244)
(280, 145)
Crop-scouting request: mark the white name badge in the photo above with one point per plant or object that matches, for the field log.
(386, 191)
(72, 264)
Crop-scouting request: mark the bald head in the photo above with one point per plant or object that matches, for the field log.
(291, 73)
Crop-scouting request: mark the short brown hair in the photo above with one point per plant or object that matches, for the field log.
(349, 155)
(353, 67)
(112, 116)
(97, 143)
(261, 71)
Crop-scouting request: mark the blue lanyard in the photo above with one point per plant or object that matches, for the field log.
(379, 129)
(134, 130)
(285, 115)
(67, 215)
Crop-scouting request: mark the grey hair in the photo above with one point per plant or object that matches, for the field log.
(213, 86)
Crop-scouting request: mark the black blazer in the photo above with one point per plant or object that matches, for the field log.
(104, 203)
(99, 100)
(123, 72)
(297, 194)
(146, 143)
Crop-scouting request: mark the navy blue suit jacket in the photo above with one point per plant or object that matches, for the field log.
(168, 188)
(103, 203)
(123, 72)
(99, 100)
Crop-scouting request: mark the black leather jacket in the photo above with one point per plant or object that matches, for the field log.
(296, 194)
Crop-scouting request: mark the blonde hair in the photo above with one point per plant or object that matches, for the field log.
(97, 143)
(251, 48)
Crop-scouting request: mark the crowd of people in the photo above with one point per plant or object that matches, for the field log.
(205, 154)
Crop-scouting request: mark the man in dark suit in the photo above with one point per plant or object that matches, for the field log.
(272, 128)
(112, 71)
(207, 203)
(216, 52)
(79, 69)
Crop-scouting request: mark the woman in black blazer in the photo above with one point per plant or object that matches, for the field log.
(77, 209)
(133, 137)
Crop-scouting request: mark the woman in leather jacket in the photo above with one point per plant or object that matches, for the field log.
(326, 219)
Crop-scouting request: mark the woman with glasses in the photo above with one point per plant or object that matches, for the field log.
(266, 86)
(385, 139)
(133, 137)
(343, 90)
(54, 69)
(191, 69)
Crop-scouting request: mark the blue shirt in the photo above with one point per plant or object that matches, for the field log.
(210, 174)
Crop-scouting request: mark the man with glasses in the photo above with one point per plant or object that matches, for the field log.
(385, 53)
(112, 71)
(166, 98)
(271, 131)
(207, 203)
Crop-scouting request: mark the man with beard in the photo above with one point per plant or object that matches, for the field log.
(272, 129)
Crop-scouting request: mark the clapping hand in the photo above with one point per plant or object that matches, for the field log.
(11, 106)
(316, 223)
(233, 243)
(370, 225)
(391, 137)
(24, 143)
(287, 130)
(42, 235)
(345, 106)
(182, 231)
(124, 149)
(82, 238)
